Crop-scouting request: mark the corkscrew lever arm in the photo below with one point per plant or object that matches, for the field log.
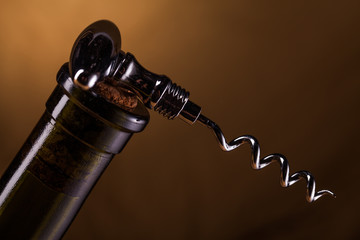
(258, 163)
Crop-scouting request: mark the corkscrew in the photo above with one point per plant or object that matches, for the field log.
(97, 55)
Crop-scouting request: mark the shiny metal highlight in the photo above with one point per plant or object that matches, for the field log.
(258, 163)
(172, 101)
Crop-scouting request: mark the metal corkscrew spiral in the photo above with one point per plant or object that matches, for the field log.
(257, 162)
(97, 55)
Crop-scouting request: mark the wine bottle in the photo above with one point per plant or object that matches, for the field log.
(74, 141)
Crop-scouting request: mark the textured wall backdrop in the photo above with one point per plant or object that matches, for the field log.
(286, 72)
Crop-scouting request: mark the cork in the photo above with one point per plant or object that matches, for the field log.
(110, 90)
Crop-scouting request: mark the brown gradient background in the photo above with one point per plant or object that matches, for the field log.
(286, 72)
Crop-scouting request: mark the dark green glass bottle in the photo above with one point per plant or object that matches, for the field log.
(45, 185)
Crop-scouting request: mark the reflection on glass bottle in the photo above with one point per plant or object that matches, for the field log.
(45, 185)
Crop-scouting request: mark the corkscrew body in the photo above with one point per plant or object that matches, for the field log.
(97, 55)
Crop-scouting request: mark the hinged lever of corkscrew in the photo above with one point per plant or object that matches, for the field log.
(97, 55)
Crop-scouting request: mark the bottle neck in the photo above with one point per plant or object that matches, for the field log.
(76, 138)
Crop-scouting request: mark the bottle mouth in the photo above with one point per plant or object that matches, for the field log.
(116, 105)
